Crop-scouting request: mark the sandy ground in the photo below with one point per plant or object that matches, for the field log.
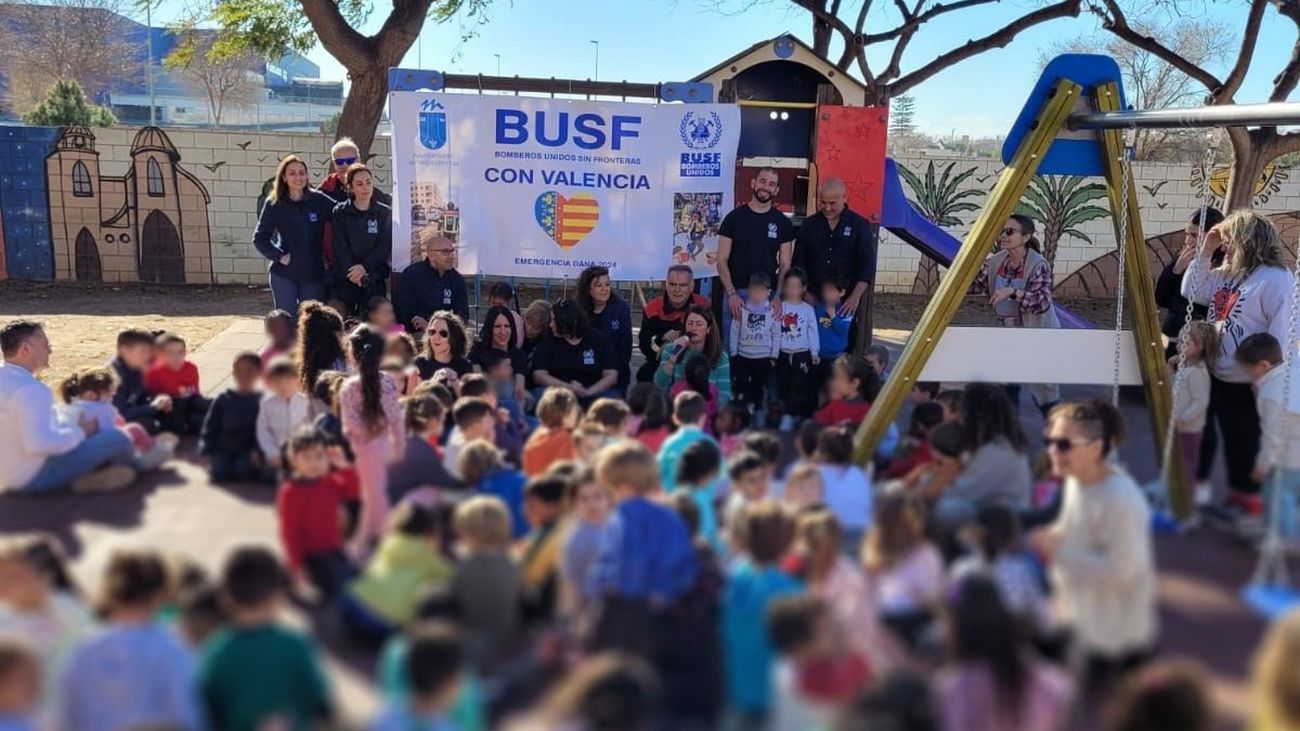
(82, 320)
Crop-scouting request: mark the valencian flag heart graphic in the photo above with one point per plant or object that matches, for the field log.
(567, 220)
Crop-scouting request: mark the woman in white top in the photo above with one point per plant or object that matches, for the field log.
(1100, 548)
(1249, 293)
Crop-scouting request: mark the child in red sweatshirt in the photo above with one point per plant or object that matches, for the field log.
(173, 376)
(311, 511)
(853, 386)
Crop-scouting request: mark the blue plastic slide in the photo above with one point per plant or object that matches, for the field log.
(907, 223)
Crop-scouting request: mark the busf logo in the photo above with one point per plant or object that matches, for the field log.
(433, 124)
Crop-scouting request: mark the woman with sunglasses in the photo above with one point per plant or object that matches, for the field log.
(1018, 281)
(1099, 548)
(445, 346)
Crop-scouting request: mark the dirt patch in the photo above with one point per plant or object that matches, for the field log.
(901, 311)
(83, 320)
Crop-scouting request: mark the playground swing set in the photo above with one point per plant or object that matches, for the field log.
(1074, 124)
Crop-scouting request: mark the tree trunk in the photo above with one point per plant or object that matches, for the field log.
(364, 107)
(927, 276)
(1248, 162)
(821, 32)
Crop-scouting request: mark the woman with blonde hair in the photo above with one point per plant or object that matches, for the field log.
(290, 233)
(1275, 677)
(1249, 293)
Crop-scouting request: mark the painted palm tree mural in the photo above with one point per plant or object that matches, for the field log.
(1061, 204)
(939, 197)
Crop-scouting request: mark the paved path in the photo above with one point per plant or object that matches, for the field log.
(178, 510)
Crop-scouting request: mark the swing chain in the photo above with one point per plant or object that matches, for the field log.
(1211, 144)
(1126, 170)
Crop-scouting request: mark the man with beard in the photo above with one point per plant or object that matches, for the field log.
(661, 323)
(837, 245)
(754, 237)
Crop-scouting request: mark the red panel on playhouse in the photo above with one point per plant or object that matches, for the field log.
(851, 147)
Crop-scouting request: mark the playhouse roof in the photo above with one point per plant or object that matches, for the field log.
(852, 90)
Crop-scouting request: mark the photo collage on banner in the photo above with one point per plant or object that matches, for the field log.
(547, 187)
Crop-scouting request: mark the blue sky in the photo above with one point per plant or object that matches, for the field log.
(670, 40)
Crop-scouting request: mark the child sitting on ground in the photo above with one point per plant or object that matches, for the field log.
(697, 379)
(421, 464)
(846, 487)
(817, 676)
(924, 392)
(651, 416)
(588, 440)
(1001, 557)
(765, 533)
(697, 473)
(1278, 463)
(229, 436)
(878, 358)
(326, 394)
(750, 485)
(553, 440)
(281, 334)
(255, 672)
(646, 559)
(486, 582)
(401, 346)
(539, 560)
(484, 469)
(947, 447)
(379, 313)
(906, 571)
(282, 411)
(310, 509)
(135, 353)
(20, 685)
(730, 425)
(804, 487)
(434, 664)
(853, 386)
(88, 393)
(767, 445)
(173, 376)
(159, 687)
(408, 563)
(951, 401)
(689, 414)
(509, 430)
(589, 503)
(474, 419)
(610, 415)
(1192, 400)
(914, 449)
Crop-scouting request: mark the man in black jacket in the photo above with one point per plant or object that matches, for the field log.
(661, 322)
(431, 284)
(837, 243)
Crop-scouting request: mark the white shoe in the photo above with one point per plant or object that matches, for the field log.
(107, 479)
(155, 457)
(1204, 493)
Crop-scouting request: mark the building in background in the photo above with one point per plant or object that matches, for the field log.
(290, 94)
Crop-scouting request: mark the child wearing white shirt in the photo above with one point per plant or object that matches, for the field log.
(1192, 400)
(799, 351)
(1277, 465)
(284, 408)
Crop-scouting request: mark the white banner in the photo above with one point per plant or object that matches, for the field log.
(546, 187)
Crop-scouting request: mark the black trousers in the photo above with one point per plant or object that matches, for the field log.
(186, 415)
(749, 380)
(239, 468)
(328, 572)
(794, 383)
(1233, 407)
(354, 298)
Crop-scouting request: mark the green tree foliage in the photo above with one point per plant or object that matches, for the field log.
(902, 115)
(331, 126)
(65, 106)
(939, 197)
(1062, 203)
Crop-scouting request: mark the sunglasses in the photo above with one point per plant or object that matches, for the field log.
(440, 333)
(1063, 445)
(341, 161)
(1010, 231)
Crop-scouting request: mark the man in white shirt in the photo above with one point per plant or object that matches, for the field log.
(42, 454)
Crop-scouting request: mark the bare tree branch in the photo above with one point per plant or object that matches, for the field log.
(998, 39)
(1114, 20)
(1285, 82)
(336, 34)
(1248, 38)
(83, 40)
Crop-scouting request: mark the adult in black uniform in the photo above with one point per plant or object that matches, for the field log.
(836, 244)
(754, 237)
(362, 228)
(431, 284)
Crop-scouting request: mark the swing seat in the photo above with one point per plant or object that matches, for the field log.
(1271, 600)
(1032, 355)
